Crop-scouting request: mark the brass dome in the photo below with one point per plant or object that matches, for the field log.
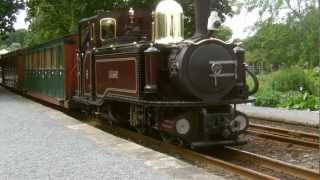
(168, 22)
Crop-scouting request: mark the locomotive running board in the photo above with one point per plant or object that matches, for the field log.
(159, 103)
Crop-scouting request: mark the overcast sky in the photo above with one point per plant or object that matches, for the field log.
(240, 24)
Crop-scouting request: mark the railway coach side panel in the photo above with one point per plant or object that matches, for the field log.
(13, 69)
(49, 67)
(20, 69)
(70, 65)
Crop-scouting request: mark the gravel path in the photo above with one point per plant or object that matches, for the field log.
(37, 142)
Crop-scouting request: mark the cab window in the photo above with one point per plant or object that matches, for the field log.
(108, 29)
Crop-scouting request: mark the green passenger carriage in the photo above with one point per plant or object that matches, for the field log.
(45, 71)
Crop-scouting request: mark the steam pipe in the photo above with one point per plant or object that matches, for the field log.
(202, 12)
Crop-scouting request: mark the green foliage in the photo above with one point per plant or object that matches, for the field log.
(8, 8)
(272, 11)
(17, 37)
(224, 33)
(223, 7)
(268, 97)
(282, 89)
(54, 18)
(313, 76)
(299, 100)
(291, 79)
(290, 100)
(14, 40)
(289, 43)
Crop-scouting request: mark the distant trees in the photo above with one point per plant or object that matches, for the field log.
(8, 8)
(275, 9)
(14, 40)
(289, 38)
(54, 18)
(224, 33)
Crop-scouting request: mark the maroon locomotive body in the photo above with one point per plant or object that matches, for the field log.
(134, 67)
(138, 69)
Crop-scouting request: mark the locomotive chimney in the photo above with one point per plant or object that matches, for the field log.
(202, 12)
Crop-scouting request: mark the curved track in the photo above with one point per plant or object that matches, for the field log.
(281, 169)
(227, 158)
(284, 135)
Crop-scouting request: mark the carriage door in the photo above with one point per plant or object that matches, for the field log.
(87, 44)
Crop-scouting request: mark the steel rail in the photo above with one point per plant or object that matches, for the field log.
(213, 159)
(311, 136)
(284, 135)
(223, 158)
(275, 165)
(196, 158)
(202, 159)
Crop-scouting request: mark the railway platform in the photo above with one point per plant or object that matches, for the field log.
(299, 117)
(37, 142)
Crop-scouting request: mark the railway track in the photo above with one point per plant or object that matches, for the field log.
(226, 158)
(280, 169)
(284, 135)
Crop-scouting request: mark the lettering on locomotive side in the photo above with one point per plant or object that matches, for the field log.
(112, 74)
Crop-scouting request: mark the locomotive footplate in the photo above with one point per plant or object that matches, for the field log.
(160, 103)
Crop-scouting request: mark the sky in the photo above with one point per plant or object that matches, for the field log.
(20, 24)
(240, 24)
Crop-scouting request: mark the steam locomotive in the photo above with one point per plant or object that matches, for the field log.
(134, 67)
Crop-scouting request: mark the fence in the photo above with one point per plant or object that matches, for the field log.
(256, 68)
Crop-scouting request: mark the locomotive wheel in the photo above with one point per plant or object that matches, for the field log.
(172, 139)
(116, 113)
(141, 130)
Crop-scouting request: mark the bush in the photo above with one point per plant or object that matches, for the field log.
(299, 100)
(313, 76)
(290, 100)
(283, 89)
(268, 97)
(291, 79)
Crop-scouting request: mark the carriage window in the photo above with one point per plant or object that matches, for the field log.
(108, 28)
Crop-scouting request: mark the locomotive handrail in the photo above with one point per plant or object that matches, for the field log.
(206, 40)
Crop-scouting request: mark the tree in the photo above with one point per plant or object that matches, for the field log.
(273, 10)
(54, 18)
(14, 39)
(223, 7)
(224, 33)
(287, 43)
(8, 9)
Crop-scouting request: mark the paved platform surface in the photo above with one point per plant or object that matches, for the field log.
(309, 118)
(37, 142)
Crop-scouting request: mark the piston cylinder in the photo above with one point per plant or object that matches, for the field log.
(152, 65)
